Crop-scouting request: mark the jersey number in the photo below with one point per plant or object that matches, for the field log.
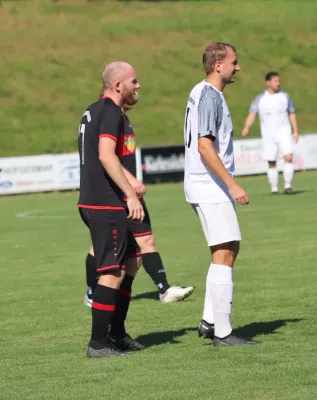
(81, 131)
(188, 132)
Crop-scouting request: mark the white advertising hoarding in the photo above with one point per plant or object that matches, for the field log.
(62, 172)
(67, 171)
(27, 174)
(248, 155)
(310, 151)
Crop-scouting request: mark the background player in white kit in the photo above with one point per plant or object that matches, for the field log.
(277, 114)
(211, 189)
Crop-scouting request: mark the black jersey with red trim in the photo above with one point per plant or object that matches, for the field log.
(126, 147)
(101, 119)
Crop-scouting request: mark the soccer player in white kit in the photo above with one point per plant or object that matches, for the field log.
(211, 189)
(277, 118)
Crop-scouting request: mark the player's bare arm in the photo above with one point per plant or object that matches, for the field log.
(293, 121)
(248, 123)
(112, 165)
(135, 183)
(212, 160)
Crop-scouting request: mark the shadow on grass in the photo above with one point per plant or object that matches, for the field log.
(295, 192)
(264, 328)
(157, 338)
(147, 295)
(299, 192)
(250, 330)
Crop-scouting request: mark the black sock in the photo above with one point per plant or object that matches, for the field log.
(153, 265)
(103, 307)
(91, 275)
(122, 306)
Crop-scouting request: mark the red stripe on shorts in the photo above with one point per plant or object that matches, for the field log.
(142, 234)
(103, 307)
(100, 207)
(132, 255)
(109, 267)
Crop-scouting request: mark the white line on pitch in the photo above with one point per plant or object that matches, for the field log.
(33, 215)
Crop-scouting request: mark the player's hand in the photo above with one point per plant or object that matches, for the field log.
(295, 137)
(239, 195)
(138, 187)
(245, 132)
(135, 208)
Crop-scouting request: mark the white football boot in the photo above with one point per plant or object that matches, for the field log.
(176, 293)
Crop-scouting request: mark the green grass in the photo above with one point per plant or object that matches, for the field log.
(45, 327)
(53, 55)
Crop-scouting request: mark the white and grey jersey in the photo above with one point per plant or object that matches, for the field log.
(273, 110)
(207, 115)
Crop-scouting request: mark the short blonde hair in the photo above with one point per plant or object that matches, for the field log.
(213, 53)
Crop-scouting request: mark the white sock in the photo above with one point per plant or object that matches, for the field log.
(272, 176)
(288, 174)
(221, 295)
(208, 314)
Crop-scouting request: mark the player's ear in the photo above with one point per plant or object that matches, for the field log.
(117, 86)
(217, 66)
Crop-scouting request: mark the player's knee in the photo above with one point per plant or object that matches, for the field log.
(225, 253)
(133, 265)
(288, 158)
(111, 278)
(146, 244)
(229, 258)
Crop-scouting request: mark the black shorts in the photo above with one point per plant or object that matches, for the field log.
(138, 229)
(108, 231)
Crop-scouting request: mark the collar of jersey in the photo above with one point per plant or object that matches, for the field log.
(209, 84)
(272, 94)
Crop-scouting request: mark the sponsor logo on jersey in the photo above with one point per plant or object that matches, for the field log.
(130, 143)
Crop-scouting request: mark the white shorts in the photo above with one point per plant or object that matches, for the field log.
(219, 222)
(272, 150)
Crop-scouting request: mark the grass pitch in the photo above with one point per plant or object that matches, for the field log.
(45, 327)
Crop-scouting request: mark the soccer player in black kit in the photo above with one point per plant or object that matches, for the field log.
(103, 190)
(141, 242)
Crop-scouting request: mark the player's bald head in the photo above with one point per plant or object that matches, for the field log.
(114, 72)
(120, 83)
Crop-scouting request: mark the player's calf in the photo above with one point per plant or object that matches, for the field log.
(272, 175)
(288, 174)
(119, 338)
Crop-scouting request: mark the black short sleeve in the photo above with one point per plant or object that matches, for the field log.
(111, 122)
